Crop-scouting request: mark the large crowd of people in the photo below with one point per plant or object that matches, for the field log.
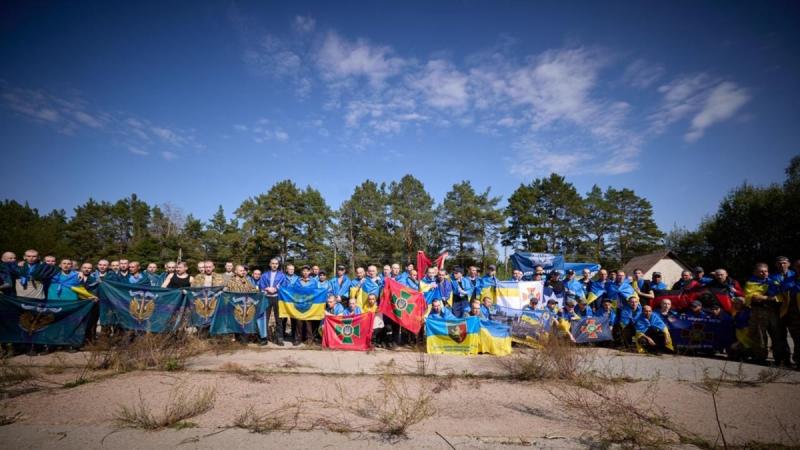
(762, 313)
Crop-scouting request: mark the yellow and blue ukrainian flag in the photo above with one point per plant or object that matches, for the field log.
(303, 303)
(495, 338)
(453, 336)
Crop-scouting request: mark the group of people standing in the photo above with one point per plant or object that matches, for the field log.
(766, 311)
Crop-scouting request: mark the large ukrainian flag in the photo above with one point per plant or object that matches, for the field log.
(495, 338)
(304, 303)
(453, 336)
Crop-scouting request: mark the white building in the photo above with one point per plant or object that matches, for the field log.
(664, 261)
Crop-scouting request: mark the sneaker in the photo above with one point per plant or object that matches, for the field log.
(280, 342)
(263, 342)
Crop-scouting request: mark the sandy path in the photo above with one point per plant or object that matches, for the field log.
(477, 411)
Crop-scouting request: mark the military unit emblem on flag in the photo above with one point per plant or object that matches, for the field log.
(348, 333)
(36, 318)
(457, 332)
(244, 310)
(591, 329)
(142, 305)
(401, 304)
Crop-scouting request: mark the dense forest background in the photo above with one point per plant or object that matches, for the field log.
(383, 223)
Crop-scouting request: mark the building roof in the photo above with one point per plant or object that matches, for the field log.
(646, 262)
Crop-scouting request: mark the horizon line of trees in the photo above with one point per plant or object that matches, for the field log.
(390, 222)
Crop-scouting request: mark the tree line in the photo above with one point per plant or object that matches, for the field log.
(752, 224)
(378, 223)
(390, 222)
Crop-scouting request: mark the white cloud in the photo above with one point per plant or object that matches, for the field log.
(281, 136)
(642, 74)
(706, 99)
(442, 85)
(339, 58)
(169, 156)
(723, 102)
(138, 151)
(304, 24)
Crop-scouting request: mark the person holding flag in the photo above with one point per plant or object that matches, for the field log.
(352, 308)
(652, 333)
(269, 283)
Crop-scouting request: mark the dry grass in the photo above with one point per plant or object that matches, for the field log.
(167, 351)
(242, 372)
(619, 417)
(183, 403)
(11, 375)
(391, 410)
(284, 418)
(9, 419)
(556, 359)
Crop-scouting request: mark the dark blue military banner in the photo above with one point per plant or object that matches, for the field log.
(237, 313)
(141, 307)
(203, 303)
(702, 334)
(32, 321)
(591, 329)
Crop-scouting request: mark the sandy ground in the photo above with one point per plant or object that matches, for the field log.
(476, 406)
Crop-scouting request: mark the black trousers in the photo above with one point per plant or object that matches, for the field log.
(272, 308)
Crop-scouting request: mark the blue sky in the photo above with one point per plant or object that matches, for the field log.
(201, 104)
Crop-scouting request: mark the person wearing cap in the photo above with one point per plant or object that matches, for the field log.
(488, 282)
(742, 348)
(340, 284)
(657, 282)
(533, 303)
(554, 283)
(462, 292)
(582, 308)
(516, 275)
(695, 310)
(573, 286)
(642, 287)
(699, 276)
(568, 311)
(323, 282)
(762, 295)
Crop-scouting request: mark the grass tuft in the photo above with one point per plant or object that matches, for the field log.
(182, 404)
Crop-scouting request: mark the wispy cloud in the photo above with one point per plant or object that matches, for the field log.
(722, 103)
(73, 114)
(339, 59)
(708, 100)
(642, 74)
(169, 156)
(262, 131)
